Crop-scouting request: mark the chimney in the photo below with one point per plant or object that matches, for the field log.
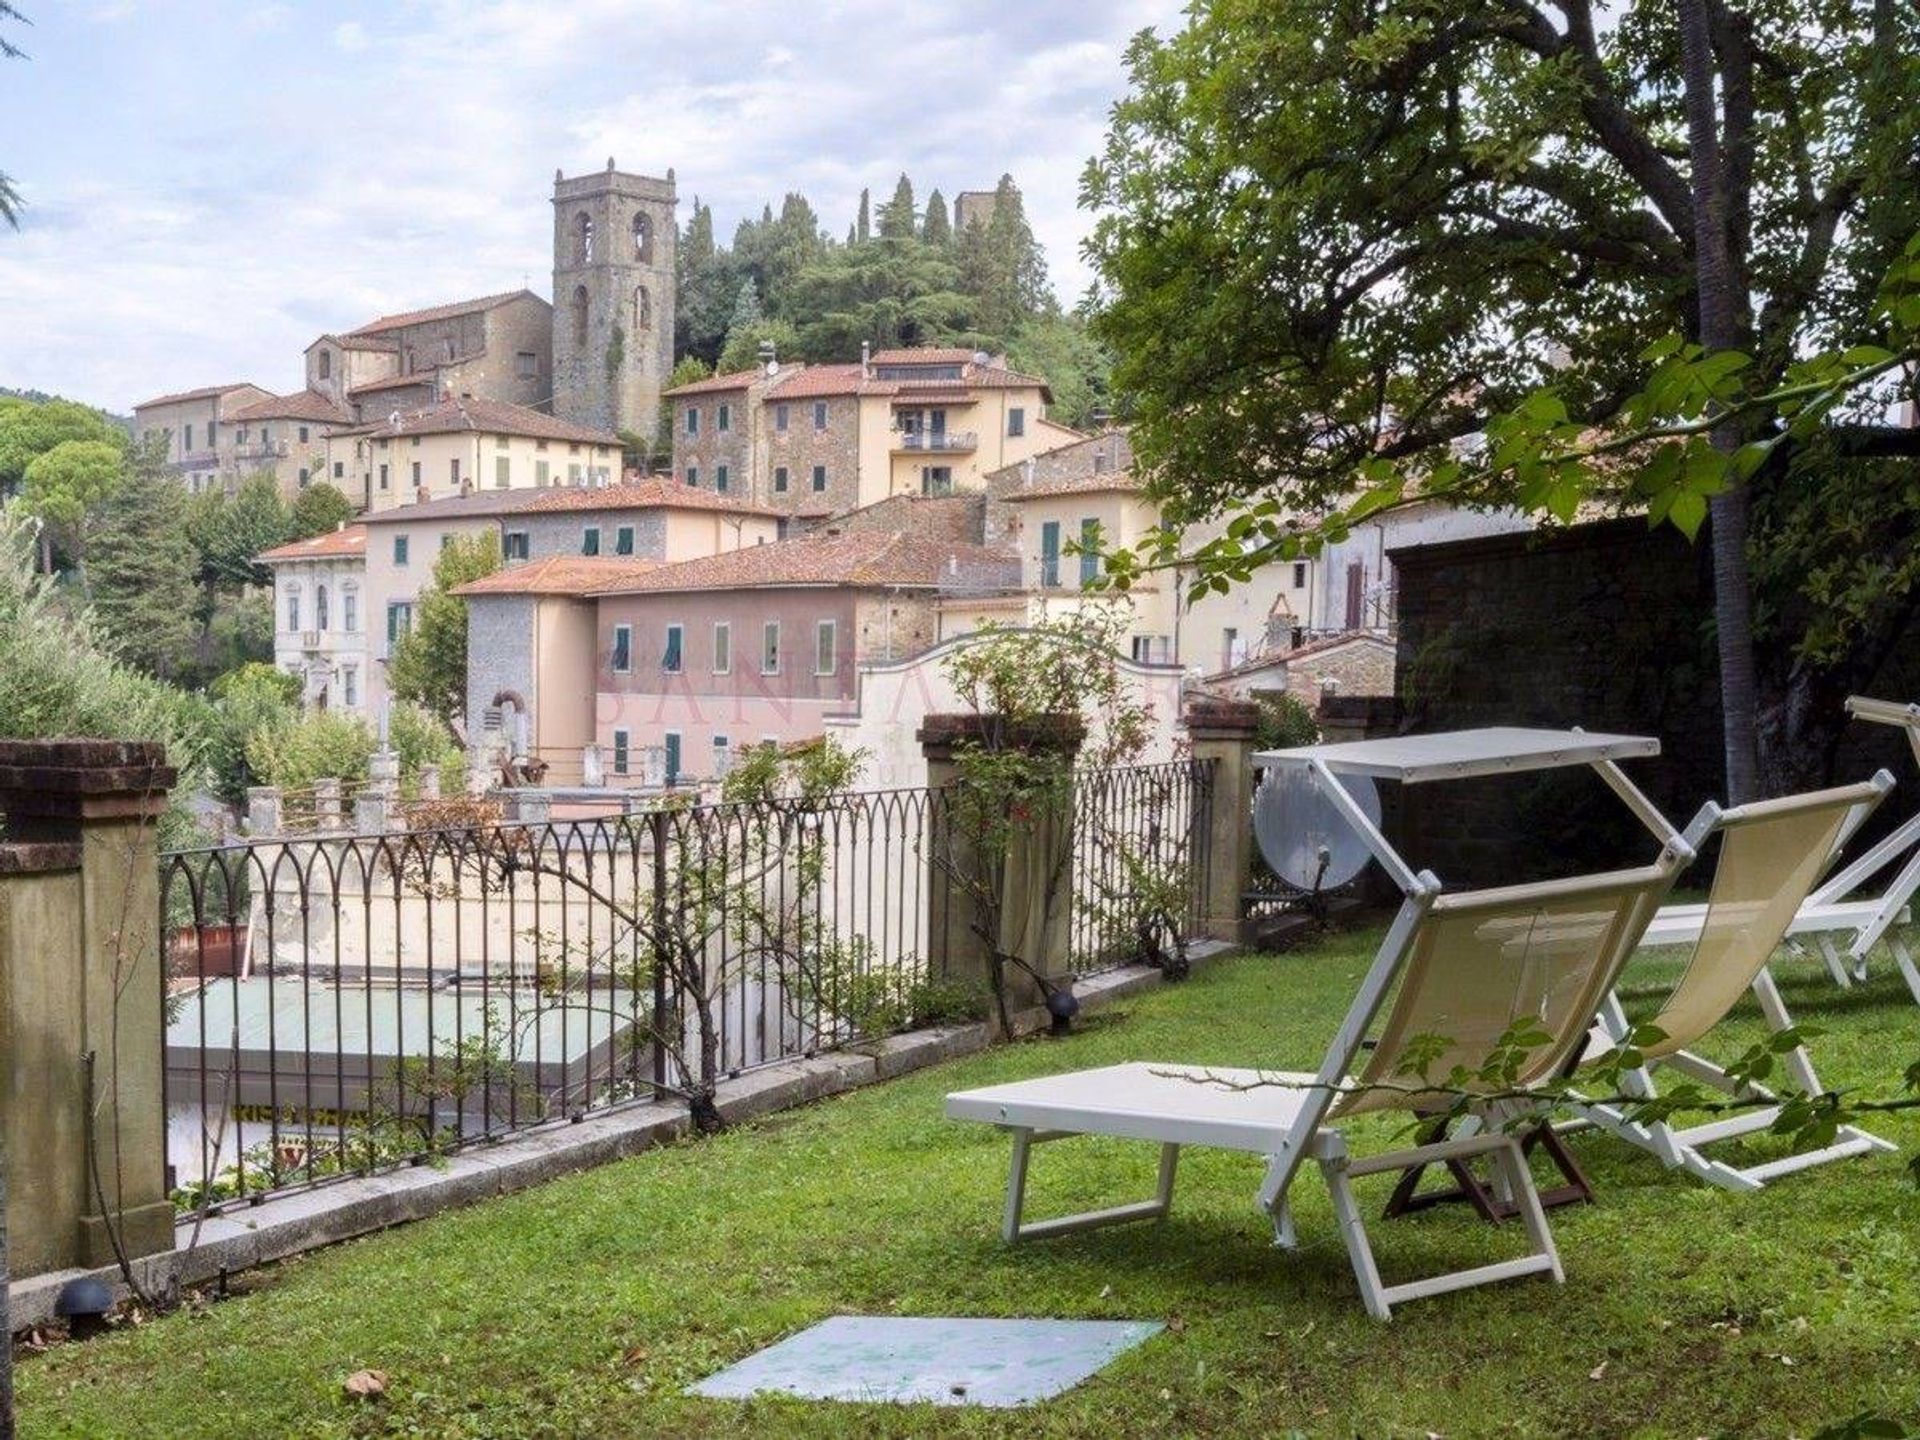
(866, 360)
(1026, 473)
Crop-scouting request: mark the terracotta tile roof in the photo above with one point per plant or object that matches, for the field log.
(205, 392)
(560, 575)
(651, 493)
(1069, 469)
(1119, 482)
(347, 540)
(487, 417)
(925, 355)
(861, 560)
(732, 380)
(378, 343)
(993, 377)
(397, 382)
(817, 382)
(300, 405)
(439, 312)
(1325, 645)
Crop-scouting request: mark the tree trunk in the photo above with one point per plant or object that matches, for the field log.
(1721, 312)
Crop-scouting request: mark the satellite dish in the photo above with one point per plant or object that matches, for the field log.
(1309, 843)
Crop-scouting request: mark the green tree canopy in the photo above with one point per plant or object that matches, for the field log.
(898, 218)
(429, 664)
(936, 229)
(63, 483)
(227, 532)
(140, 572)
(63, 678)
(1075, 365)
(1340, 238)
(321, 507)
(29, 429)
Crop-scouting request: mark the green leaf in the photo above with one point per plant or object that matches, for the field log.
(1688, 512)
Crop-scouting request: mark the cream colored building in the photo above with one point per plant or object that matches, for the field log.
(284, 436)
(320, 616)
(1058, 508)
(192, 423)
(463, 445)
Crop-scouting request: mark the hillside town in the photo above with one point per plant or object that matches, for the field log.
(812, 524)
(1264, 740)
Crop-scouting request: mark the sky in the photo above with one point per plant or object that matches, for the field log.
(211, 185)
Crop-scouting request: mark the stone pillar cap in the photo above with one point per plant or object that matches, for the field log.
(79, 779)
(1210, 718)
(939, 734)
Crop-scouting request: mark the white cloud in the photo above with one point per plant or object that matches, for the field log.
(177, 237)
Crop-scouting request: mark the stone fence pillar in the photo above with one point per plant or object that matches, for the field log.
(263, 810)
(1222, 731)
(427, 782)
(327, 814)
(81, 992)
(593, 771)
(1033, 892)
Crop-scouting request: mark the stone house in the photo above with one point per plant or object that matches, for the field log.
(496, 346)
(284, 436)
(1360, 663)
(821, 440)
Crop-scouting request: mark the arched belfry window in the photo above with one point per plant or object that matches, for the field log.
(582, 238)
(642, 308)
(643, 238)
(579, 314)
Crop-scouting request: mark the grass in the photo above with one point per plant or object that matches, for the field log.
(584, 1307)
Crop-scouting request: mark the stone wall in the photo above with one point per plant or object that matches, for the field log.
(560, 533)
(1602, 627)
(800, 447)
(960, 518)
(709, 448)
(1606, 626)
(500, 640)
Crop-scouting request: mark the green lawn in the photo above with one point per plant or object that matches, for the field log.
(584, 1307)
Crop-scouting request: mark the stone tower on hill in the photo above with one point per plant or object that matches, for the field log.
(613, 297)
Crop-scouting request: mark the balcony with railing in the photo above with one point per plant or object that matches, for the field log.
(260, 450)
(936, 442)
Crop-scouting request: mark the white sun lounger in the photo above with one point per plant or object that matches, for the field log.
(1834, 917)
(1465, 967)
(1771, 853)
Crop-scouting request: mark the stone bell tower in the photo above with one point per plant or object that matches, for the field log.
(614, 236)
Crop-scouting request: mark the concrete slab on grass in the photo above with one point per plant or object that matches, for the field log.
(1001, 1363)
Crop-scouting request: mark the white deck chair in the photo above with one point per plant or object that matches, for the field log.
(1464, 967)
(1771, 853)
(1834, 916)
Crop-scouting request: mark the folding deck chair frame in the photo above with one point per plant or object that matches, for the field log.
(1684, 1148)
(1177, 1106)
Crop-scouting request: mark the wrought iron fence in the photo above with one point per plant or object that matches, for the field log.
(341, 1003)
(1139, 862)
